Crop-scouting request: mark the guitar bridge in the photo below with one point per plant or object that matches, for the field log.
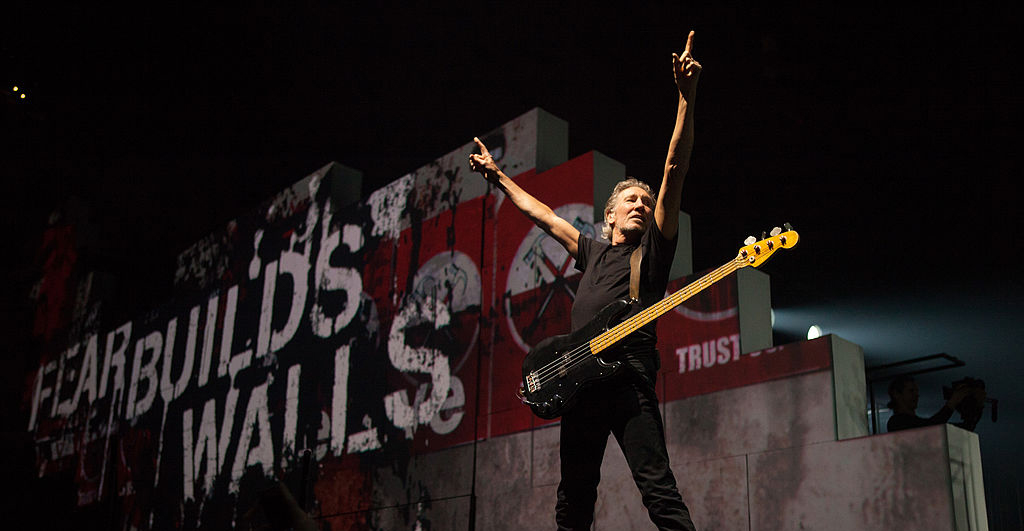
(532, 384)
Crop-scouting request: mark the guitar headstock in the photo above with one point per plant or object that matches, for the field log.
(754, 253)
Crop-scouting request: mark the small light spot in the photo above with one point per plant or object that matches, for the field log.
(814, 332)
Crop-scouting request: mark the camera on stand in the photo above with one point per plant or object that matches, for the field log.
(973, 405)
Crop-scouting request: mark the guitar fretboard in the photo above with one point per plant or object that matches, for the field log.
(623, 329)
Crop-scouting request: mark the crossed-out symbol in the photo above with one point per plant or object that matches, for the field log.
(556, 269)
(538, 259)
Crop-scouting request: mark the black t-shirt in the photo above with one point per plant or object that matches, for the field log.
(904, 421)
(605, 279)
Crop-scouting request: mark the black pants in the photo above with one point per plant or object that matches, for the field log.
(627, 408)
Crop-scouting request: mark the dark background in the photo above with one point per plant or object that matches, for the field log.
(886, 136)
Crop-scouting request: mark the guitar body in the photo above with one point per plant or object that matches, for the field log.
(557, 368)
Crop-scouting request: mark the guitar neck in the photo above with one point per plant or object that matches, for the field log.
(623, 329)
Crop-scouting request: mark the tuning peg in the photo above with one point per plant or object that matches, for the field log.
(750, 240)
(763, 235)
(775, 231)
(788, 226)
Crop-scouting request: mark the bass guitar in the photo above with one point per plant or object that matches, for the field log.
(557, 368)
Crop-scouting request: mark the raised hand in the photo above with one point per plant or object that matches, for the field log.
(686, 70)
(959, 395)
(484, 162)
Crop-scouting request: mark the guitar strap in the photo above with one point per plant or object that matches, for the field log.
(634, 273)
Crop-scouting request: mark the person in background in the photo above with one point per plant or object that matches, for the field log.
(904, 394)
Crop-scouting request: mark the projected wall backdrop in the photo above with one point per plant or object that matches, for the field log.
(325, 337)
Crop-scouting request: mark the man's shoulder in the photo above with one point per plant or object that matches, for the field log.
(902, 421)
(653, 235)
(591, 243)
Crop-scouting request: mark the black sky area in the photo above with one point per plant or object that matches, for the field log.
(886, 135)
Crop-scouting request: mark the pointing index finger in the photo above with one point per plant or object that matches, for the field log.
(689, 44)
(483, 148)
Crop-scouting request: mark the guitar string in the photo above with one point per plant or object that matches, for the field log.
(615, 334)
(610, 337)
(576, 356)
(579, 354)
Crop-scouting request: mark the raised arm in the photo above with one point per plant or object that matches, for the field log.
(561, 230)
(686, 72)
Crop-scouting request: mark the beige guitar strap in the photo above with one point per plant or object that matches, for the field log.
(634, 273)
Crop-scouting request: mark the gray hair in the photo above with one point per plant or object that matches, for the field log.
(613, 199)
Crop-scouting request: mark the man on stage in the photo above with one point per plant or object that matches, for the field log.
(625, 406)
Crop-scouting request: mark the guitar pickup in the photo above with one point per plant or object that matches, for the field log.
(564, 367)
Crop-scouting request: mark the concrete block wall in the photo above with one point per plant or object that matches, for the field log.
(777, 455)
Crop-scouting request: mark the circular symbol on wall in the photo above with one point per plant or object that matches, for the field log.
(542, 281)
(453, 279)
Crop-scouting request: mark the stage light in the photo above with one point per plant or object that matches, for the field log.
(15, 88)
(814, 332)
(22, 95)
